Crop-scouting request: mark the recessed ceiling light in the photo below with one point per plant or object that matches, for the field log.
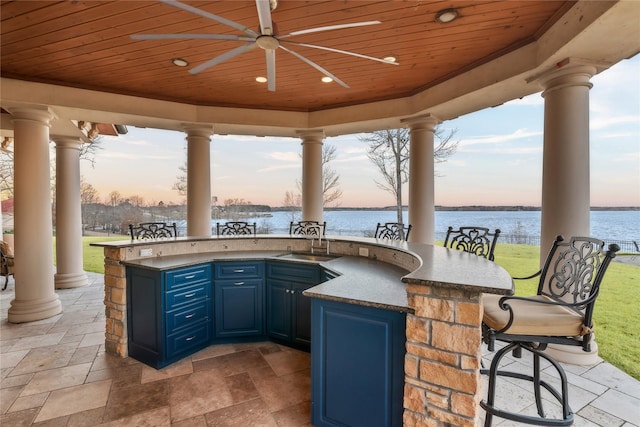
(326, 79)
(447, 15)
(261, 79)
(390, 58)
(179, 62)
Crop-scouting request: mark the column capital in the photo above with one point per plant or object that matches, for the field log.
(34, 114)
(198, 129)
(311, 135)
(63, 141)
(568, 72)
(425, 121)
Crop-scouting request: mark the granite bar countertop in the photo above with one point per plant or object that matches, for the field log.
(361, 280)
(377, 280)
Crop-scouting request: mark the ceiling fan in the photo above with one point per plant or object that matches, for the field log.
(265, 39)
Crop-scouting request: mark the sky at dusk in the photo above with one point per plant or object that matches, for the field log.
(498, 161)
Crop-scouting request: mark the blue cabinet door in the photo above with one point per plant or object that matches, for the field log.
(239, 307)
(357, 365)
(279, 309)
(301, 320)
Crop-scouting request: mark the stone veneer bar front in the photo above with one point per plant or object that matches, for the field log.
(443, 305)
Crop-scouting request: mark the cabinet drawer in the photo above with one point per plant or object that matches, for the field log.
(187, 295)
(188, 339)
(188, 315)
(233, 270)
(188, 276)
(293, 272)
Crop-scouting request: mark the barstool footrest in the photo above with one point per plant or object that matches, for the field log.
(562, 396)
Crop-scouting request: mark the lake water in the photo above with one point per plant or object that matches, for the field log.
(606, 225)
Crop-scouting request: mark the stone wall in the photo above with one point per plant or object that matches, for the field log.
(442, 363)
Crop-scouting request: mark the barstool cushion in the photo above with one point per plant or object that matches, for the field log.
(532, 318)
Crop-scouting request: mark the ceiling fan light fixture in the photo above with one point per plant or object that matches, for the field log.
(261, 79)
(447, 15)
(179, 62)
(326, 79)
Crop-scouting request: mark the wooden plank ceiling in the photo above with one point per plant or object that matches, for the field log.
(87, 44)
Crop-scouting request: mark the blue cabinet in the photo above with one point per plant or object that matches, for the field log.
(288, 310)
(169, 314)
(239, 299)
(357, 365)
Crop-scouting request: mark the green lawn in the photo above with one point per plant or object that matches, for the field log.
(616, 314)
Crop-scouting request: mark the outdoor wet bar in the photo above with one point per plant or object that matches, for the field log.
(394, 328)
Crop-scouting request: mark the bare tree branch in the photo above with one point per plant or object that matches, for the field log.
(388, 150)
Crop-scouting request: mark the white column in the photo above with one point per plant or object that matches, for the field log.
(35, 296)
(421, 178)
(312, 191)
(565, 167)
(565, 171)
(69, 260)
(198, 180)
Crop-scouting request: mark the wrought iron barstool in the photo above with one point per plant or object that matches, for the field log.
(475, 240)
(308, 228)
(560, 313)
(393, 231)
(235, 228)
(153, 230)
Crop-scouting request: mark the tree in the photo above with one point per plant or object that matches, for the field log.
(389, 151)
(292, 201)
(88, 197)
(181, 181)
(330, 179)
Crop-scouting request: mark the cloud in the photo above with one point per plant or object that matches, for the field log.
(276, 168)
(126, 140)
(609, 121)
(495, 139)
(133, 156)
(506, 150)
(284, 156)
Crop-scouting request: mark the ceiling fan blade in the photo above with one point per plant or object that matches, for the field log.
(225, 56)
(329, 28)
(190, 36)
(271, 69)
(208, 15)
(316, 66)
(330, 49)
(264, 15)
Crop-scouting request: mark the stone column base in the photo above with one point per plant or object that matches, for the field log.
(70, 280)
(574, 355)
(29, 311)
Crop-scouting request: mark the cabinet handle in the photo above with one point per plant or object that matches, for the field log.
(238, 283)
(239, 271)
(190, 338)
(190, 277)
(190, 295)
(189, 316)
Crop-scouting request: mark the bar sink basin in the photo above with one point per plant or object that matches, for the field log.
(308, 256)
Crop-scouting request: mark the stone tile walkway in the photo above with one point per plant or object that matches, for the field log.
(54, 372)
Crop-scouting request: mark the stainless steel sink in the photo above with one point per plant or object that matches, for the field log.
(308, 257)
